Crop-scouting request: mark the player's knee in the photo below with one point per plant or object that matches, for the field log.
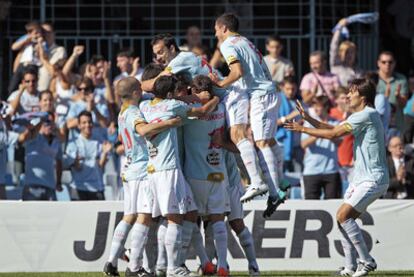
(130, 218)
(237, 133)
(237, 225)
(144, 219)
(265, 143)
(191, 216)
(341, 215)
(216, 217)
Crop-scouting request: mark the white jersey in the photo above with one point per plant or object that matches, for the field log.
(256, 79)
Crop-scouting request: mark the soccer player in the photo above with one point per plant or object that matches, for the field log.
(172, 195)
(138, 199)
(370, 169)
(204, 168)
(249, 73)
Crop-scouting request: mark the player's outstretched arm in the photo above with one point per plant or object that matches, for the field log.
(205, 109)
(149, 129)
(315, 123)
(333, 133)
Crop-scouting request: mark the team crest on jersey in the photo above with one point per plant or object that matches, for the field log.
(213, 158)
(152, 151)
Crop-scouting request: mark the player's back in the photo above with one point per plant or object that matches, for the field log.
(163, 147)
(203, 159)
(256, 75)
(135, 146)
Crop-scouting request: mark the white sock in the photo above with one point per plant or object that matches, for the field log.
(250, 160)
(162, 253)
(197, 242)
(355, 235)
(220, 239)
(349, 250)
(209, 241)
(138, 239)
(188, 228)
(246, 242)
(173, 245)
(150, 253)
(268, 163)
(118, 241)
(280, 161)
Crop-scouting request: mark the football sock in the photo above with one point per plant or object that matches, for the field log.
(118, 241)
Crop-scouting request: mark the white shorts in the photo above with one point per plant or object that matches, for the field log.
(236, 207)
(172, 194)
(263, 115)
(361, 195)
(237, 108)
(137, 197)
(210, 197)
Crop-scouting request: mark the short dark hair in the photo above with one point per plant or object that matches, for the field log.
(201, 83)
(318, 53)
(128, 53)
(43, 92)
(168, 40)
(85, 113)
(366, 88)
(163, 85)
(151, 71)
(32, 70)
(274, 38)
(288, 80)
(229, 20)
(386, 52)
(96, 59)
(88, 82)
(372, 76)
(183, 82)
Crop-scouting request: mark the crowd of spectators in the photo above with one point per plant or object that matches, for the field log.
(58, 128)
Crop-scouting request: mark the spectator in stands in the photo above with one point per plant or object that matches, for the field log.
(342, 57)
(393, 85)
(43, 160)
(401, 170)
(86, 157)
(28, 57)
(288, 140)
(128, 66)
(7, 138)
(345, 148)
(47, 104)
(54, 54)
(26, 98)
(319, 81)
(408, 134)
(279, 67)
(86, 102)
(320, 172)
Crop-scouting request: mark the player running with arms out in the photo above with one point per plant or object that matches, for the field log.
(138, 201)
(370, 179)
(249, 73)
(173, 198)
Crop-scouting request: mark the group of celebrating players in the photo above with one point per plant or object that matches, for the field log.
(181, 168)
